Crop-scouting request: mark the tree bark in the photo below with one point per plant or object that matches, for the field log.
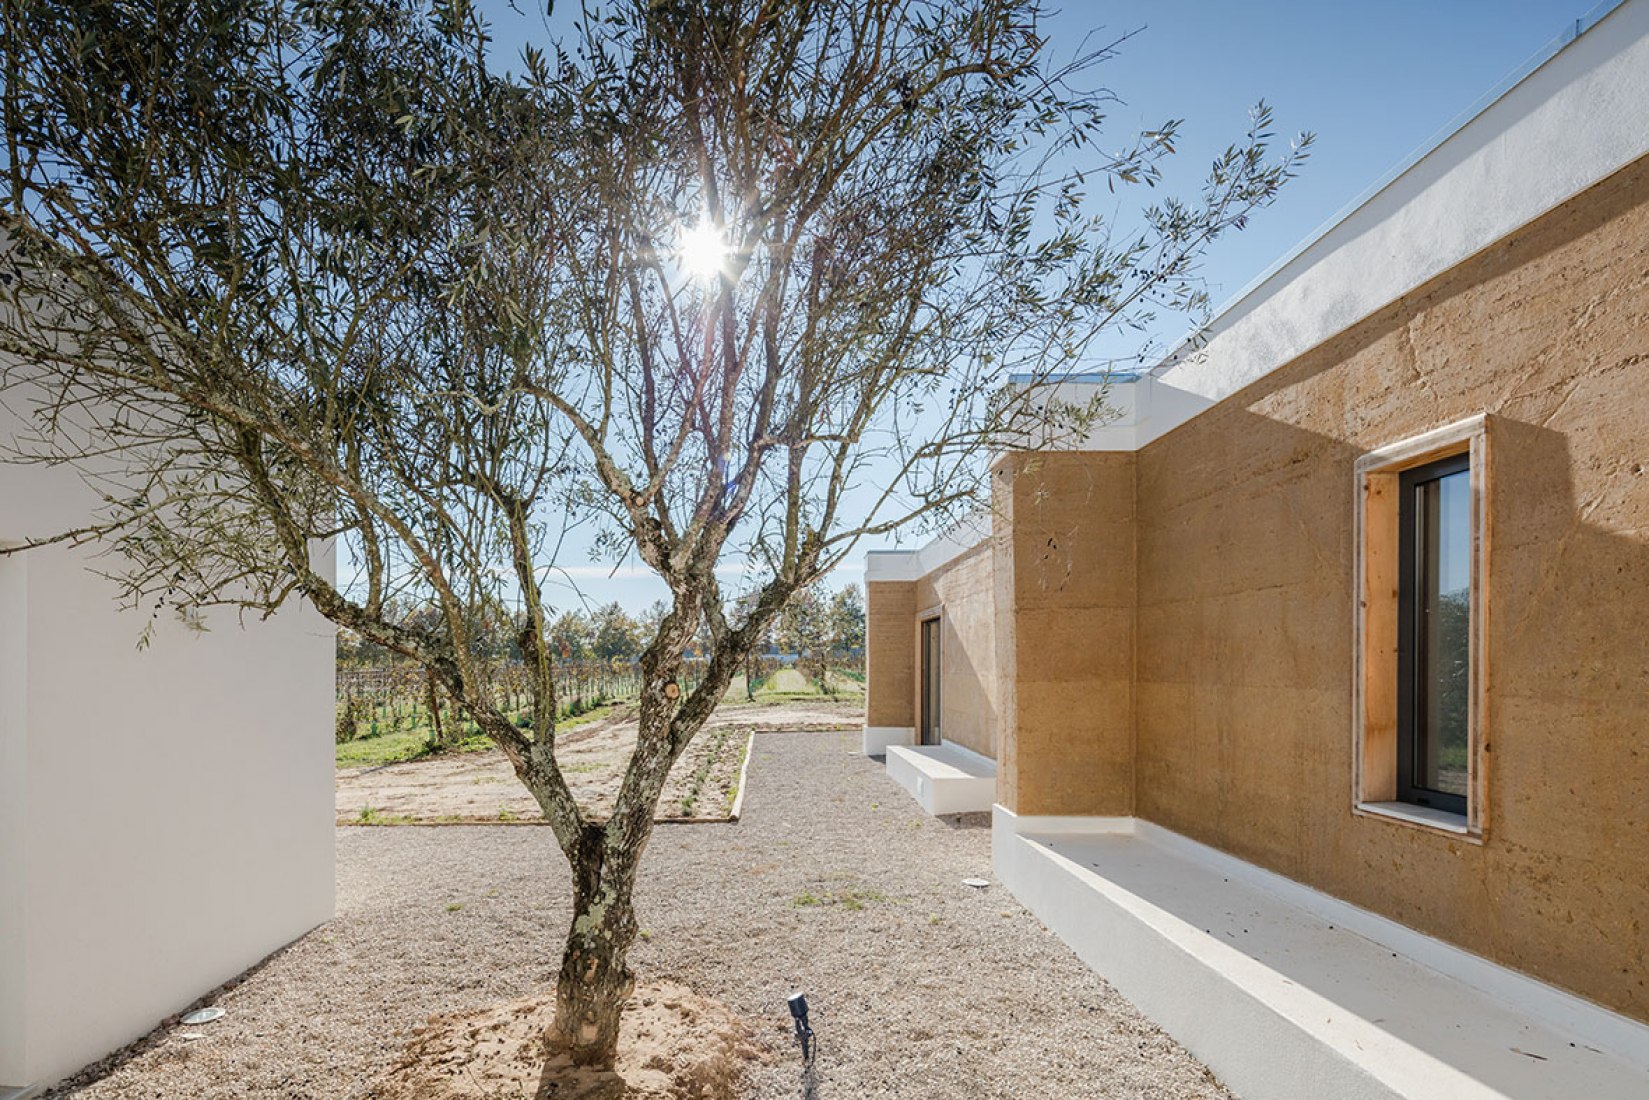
(435, 735)
(595, 979)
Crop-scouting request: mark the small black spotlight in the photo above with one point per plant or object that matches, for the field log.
(804, 1034)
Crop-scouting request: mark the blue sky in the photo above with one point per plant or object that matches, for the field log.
(1374, 81)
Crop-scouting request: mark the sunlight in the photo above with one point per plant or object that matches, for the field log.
(703, 252)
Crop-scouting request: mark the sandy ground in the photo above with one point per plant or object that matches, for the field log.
(673, 1045)
(480, 786)
(833, 882)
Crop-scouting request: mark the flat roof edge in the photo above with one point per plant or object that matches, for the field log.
(1564, 121)
(944, 548)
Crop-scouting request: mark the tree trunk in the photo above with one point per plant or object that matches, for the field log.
(434, 714)
(595, 979)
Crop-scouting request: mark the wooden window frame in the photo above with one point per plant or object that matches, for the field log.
(1377, 550)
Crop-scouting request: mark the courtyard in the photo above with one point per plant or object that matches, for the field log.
(833, 882)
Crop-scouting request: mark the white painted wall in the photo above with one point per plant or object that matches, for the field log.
(13, 819)
(165, 816)
(1141, 408)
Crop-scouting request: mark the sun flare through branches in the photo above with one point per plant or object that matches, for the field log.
(702, 251)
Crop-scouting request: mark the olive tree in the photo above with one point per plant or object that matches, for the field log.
(743, 281)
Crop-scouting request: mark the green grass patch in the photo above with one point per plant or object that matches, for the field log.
(411, 742)
(370, 816)
(852, 897)
(696, 788)
(791, 685)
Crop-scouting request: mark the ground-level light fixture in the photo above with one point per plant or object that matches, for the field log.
(804, 1033)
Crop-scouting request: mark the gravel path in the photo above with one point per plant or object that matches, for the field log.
(482, 787)
(834, 883)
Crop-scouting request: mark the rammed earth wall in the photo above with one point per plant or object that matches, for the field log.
(890, 656)
(1245, 618)
(1174, 628)
(967, 648)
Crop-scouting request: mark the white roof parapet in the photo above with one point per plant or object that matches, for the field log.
(1570, 119)
(1568, 123)
(890, 565)
(1138, 409)
(946, 547)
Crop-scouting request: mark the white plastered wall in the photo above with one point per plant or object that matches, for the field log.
(13, 818)
(165, 815)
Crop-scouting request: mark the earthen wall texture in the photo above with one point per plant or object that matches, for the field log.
(890, 661)
(1063, 538)
(962, 589)
(1245, 610)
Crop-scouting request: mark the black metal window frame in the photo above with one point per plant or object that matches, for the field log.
(1411, 688)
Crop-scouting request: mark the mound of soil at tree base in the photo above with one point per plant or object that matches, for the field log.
(673, 1045)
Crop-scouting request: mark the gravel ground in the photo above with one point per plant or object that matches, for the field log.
(481, 786)
(834, 883)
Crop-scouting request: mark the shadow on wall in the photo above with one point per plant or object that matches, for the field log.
(1569, 685)
(1245, 666)
(967, 649)
(1245, 628)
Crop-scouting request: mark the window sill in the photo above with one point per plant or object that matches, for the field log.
(1422, 817)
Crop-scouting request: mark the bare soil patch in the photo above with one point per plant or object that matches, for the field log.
(471, 788)
(673, 1045)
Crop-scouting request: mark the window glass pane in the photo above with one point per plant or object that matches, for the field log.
(1444, 604)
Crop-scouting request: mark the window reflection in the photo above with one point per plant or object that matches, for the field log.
(1443, 605)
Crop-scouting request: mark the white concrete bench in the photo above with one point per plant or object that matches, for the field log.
(1289, 994)
(945, 779)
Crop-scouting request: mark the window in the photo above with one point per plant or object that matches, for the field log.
(1422, 532)
(1434, 634)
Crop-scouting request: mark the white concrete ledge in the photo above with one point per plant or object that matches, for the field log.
(878, 738)
(942, 549)
(945, 779)
(1289, 994)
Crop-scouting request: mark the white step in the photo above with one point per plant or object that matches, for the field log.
(945, 779)
(1289, 994)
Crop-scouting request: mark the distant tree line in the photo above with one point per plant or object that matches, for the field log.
(607, 633)
(817, 626)
(823, 631)
(596, 654)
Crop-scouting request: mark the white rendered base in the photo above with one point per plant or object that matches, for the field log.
(1290, 994)
(945, 779)
(878, 738)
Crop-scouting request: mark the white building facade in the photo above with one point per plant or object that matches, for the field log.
(166, 815)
